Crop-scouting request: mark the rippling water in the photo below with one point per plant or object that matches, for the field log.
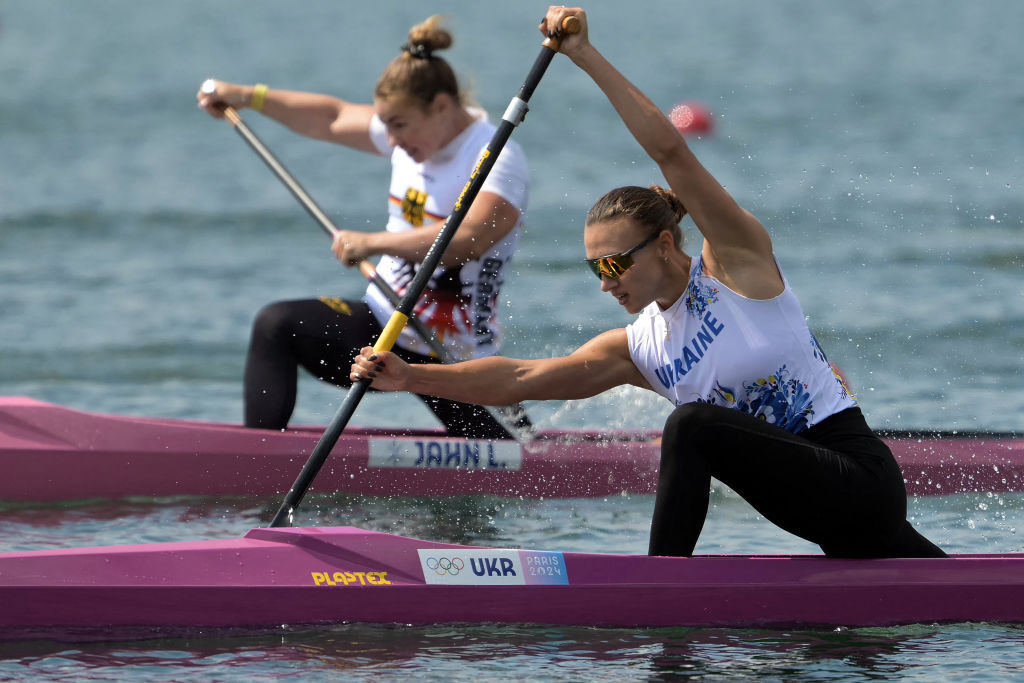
(880, 144)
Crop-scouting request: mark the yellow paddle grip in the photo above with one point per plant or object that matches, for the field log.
(391, 331)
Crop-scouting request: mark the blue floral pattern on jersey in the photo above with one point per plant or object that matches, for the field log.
(777, 399)
(819, 353)
(698, 297)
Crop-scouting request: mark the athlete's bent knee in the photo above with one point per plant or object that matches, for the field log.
(687, 421)
(272, 319)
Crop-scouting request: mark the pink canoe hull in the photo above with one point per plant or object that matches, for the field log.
(49, 452)
(336, 575)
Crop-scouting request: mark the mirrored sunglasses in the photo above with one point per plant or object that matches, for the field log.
(614, 265)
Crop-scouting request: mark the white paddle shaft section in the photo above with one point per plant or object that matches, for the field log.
(516, 111)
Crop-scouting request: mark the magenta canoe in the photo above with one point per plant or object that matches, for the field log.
(333, 575)
(50, 452)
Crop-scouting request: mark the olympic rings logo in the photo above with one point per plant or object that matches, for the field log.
(445, 565)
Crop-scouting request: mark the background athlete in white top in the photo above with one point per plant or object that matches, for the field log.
(434, 140)
(460, 302)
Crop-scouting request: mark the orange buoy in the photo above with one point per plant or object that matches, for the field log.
(691, 118)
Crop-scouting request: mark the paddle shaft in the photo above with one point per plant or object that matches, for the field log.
(280, 171)
(508, 417)
(513, 117)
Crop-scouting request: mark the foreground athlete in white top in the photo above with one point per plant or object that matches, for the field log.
(434, 141)
(722, 336)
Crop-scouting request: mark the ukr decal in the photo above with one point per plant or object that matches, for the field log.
(493, 566)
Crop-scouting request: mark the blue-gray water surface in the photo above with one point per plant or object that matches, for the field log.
(880, 143)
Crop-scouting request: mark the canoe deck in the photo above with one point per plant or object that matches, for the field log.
(335, 575)
(51, 453)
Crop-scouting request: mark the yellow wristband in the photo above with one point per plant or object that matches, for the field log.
(259, 96)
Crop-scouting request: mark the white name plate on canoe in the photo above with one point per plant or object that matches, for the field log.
(462, 454)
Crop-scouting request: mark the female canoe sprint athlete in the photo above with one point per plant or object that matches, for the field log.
(722, 336)
(434, 139)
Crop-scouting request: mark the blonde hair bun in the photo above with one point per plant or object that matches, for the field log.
(427, 37)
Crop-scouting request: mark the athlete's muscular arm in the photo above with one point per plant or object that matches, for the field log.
(737, 248)
(321, 117)
(600, 364)
(488, 221)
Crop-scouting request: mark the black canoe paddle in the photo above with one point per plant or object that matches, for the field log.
(512, 117)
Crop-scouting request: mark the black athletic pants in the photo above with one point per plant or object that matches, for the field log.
(836, 484)
(324, 339)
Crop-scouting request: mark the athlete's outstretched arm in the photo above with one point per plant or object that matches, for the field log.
(317, 116)
(737, 246)
(600, 364)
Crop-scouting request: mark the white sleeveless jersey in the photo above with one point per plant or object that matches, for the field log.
(756, 356)
(460, 304)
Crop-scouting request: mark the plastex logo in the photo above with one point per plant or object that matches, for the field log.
(327, 578)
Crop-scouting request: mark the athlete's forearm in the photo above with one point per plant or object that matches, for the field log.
(495, 381)
(489, 220)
